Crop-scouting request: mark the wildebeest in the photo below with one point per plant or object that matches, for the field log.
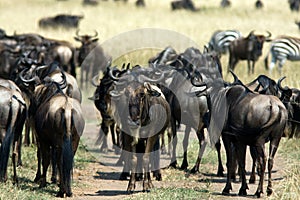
(102, 102)
(143, 114)
(281, 49)
(60, 20)
(247, 48)
(244, 118)
(59, 123)
(91, 57)
(186, 108)
(183, 4)
(13, 114)
(90, 2)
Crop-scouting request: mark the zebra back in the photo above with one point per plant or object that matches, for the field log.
(220, 40)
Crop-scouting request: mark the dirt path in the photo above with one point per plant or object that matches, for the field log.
(100, 179)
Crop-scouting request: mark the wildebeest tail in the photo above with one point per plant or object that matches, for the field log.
(5, 146)
(67, 151)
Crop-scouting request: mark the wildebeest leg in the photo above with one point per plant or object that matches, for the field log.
(232, 63)
(102, 138)
(174, 144)
(19, 150)
(220, 165)
(272, 151)
(241, 157)
(228, 149)
(131, 184)
(147, 184)
(125, 156)
(202, 145)
(27, 133)
(38, 172)
(261, 158)
(185, 144)
(54, 167)
(163, 144)
(155, 160)
(45, 153)
(112, 131)
(254, 158)
(15, 154)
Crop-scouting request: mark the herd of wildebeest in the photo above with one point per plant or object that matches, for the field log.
(139, 104)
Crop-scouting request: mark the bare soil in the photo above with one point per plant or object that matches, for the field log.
(100, 178)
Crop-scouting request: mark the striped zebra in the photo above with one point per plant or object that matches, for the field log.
(220, 40)
(281, 49)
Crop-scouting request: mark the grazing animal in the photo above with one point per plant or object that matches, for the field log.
(143, 114)
(247, 48)
(102, 102)
(281, 49)
(62, 20)
(244, 118)
(183, 4)
(91, 57)
(220, 40)
(58, 122)
(13, 114)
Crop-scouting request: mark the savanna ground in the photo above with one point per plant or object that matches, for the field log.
(95, 176)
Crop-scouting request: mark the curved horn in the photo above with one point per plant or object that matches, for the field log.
(269, 34)
(94, 79)
(236, 79)
(142, 78)
(279, 83)
(111, 74)
(23, 79)
(77, 33)
(197, 84)
(96, 33)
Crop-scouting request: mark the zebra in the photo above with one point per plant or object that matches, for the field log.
(281, 49)
(220, 40)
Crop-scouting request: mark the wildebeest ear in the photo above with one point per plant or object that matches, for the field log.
(95, 40)
(77, 39)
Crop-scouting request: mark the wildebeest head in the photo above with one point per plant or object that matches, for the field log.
(255, 44)
(139, 102)
(88, 42)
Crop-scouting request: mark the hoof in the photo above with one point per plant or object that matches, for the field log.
(157, 176)
(242, 192)
(220, 174)
(258, 194)
(37, 179)
(226, 192)
(130, 189)
(60, 194)
(173, 165)
(69, 194)
(123, 176)
(252, 180)
(53, 180)
(269, 191)
(194, 170)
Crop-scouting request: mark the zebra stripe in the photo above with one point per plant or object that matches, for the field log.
(220, 40)
(282, 49)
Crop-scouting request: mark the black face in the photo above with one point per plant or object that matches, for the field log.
(136, 100)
